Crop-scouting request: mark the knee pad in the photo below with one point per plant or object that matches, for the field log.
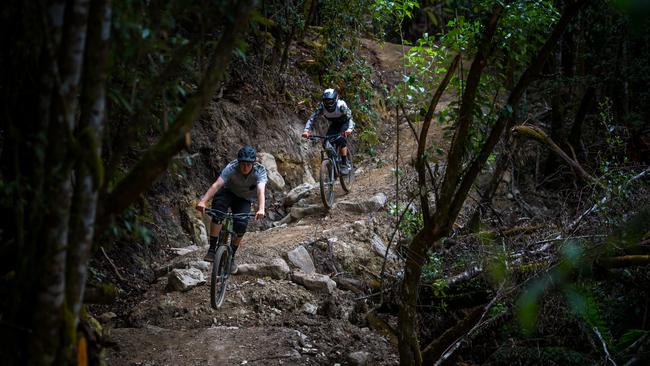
(239, 227)
(341, 141)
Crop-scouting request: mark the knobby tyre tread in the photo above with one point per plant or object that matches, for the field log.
(327, 183)
(220, 269)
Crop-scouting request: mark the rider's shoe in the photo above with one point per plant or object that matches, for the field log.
(345, 168)
(233, 267)
(209, 256)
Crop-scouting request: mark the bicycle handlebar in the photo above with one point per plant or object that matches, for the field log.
(212, 212)
(317, 137)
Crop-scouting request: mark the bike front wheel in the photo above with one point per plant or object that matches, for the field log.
(327, 183)
(346, 180)
(220, 272)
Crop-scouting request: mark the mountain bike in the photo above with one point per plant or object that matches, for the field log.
(330, 169)
(223, 254)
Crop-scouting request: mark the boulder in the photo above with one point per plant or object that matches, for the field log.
(184, 279)
(300, 258)
(309, 308)
(359, 358)
(194, 226)
(375, 203)
(185, 250)
(275, 179)
(200, 264)
(297, 193)
(277, 269)
(199, 232)
(298, 213)
(380, 248)
(360, 227)
(314, 281)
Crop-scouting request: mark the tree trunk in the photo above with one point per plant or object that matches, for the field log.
(624, 261)
(88, 171)
(409, 348)
(51, 259)
(557, 127)
(586, 105)
(424, 131)
(466, 113)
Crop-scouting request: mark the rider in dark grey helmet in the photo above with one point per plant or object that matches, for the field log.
(241, 182)
(340, 116)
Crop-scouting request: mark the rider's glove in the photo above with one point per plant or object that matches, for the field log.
(346, 133)
(306, 134)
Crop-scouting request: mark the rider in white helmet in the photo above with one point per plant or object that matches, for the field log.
(340, 116)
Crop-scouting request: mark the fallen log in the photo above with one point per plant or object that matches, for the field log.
(624, 261)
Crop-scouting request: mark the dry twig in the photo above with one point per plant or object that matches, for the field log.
(110, 261)
(608, 357)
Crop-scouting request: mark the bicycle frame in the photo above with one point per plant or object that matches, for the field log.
(223, 256)
(329, 151)
(227, 225)
(331, 167)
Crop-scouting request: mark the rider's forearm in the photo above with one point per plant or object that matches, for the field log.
(312, 118)
(350, 124)
(260, 195)
(348, 114)
(214, 188)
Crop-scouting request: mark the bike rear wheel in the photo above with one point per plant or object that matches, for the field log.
(346, 180)
(220, 272)
(327, 183)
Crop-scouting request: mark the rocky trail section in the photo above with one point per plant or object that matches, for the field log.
(297, 299)
(301, 295)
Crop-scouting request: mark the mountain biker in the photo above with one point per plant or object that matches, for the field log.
(241, 182)
(340, 116)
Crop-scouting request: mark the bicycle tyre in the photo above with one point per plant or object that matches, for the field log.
(327, 183)
(220, 272)
(347, 180)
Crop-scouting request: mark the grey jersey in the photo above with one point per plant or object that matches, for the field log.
(241, 185)
(341, 114)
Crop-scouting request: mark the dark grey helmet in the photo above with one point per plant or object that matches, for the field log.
(247, 153)
(329, 99)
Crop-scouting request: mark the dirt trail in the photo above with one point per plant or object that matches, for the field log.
(263, 321)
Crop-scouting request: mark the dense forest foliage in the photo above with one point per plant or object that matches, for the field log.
(551, 97)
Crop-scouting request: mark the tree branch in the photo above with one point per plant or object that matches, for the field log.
(540, 136)
(422, 142)
(154, 162)
(624, 261)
